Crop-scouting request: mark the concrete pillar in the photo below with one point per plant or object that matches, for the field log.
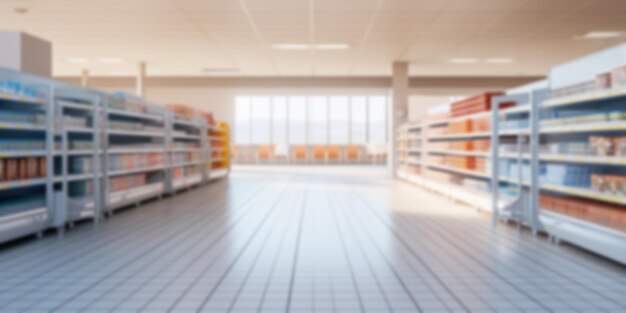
(398, 108)
(141, 77)
(84, 78)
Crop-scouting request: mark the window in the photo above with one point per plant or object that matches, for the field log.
(312, 120)
(297, 120)
(339, 118)
(359, 120)
(279, 120)
(260, 108)
(377, 120)
(318, 121)
(242, 120)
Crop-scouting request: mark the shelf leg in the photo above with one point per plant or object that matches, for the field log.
(39, 234)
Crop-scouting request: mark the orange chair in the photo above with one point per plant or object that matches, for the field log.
(300, 153)
(353, 153)
(334, 153)
(265, 153)
(319, 154)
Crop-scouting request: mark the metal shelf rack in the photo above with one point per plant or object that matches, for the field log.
(186, 139)
(26, 199)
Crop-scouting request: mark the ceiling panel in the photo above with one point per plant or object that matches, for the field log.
(182, 37)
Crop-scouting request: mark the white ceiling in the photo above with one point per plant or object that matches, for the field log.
(180, 37)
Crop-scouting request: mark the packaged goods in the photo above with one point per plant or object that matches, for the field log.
(608, 215)
(42, 167)
(182, 110)
(2, 173)
(620, 146)
(618, 77)
(603, 81)
(602, 146)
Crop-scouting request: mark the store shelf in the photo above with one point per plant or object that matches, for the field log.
(480, 154)
(129, 133)
(474, 198)
(478, 135)
(137, 115)
(135, 150)
(584, 159)
(79, 130)
(458, 171)
(410, 150)
(187, 181)
(602, 95)
(186, 164)
(135, 195)
(71, 105)
(601, 240)
(22, 183)
(137, 170)
(583, 128)
(17, 153)
(514, 132)
(22, 99)
(515, 110)
(585, 193)
(23, 223)
(218, 173)
(188, 137)
(22, 127)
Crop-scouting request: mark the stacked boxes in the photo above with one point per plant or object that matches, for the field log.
(611, 216)
(127, 182)
(182, 110)
(476, 104)
(566, 175)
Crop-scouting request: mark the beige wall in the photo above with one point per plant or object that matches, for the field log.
(217, 94)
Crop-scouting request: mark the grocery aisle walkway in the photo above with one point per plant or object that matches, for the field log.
(304, 239)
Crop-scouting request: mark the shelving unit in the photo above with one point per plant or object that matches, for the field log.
(441, 144)
(515, 136)
(78, 174)
(187, 143)
(26, 142)
(219, 138)
(136, 131)
(409, 148)
(68, 153)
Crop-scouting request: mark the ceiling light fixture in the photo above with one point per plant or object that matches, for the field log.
(225, 70)
(463, 61)
(77, 60)
(332, 46)
(111, 60)
(603, 35)
(291, 46)
(499, 60)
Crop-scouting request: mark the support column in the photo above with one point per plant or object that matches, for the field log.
(84, 78)
(398, 108)
(141, 76)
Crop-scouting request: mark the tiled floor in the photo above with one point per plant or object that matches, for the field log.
(304, 239)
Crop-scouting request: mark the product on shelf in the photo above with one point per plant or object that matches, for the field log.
(17, 89)
(19, 144)
(571, 175)
(602, 146)
(74, 121)
(608, 215)
(21, 203)
(609, 184)
(182, 110)
(135, 161)
(22, 117)
(476, 104)
(81, 165)
(12, 169)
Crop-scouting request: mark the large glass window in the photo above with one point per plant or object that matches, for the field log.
(279, 120)
(242, 120)
(377, 120)
(318, 121)
(314, 120)
(261, 116)
(359, 120)
(297, 120)
(339, 118)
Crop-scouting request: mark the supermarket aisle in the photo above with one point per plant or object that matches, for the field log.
(304, 239)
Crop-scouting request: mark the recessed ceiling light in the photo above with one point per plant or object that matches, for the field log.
(21, 10)
(224, 70)
(111, 60)
(77, 60)
(603, 35)
(499, 60)
(463, 61)
(332, 46)
(291, 46)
